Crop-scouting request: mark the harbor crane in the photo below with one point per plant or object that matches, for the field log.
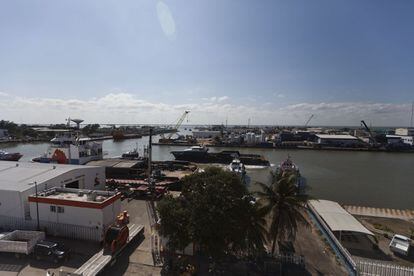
(371, 136)
(310, 118)
(176, 127)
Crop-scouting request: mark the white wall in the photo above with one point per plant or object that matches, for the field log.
(110, 212)
(10, 204)
(88, 217)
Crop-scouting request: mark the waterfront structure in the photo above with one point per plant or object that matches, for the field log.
(336, 139)
(4, 133)
(393, 139)
(19, 180)
(204, 134)
(87, 208)
(404, 131)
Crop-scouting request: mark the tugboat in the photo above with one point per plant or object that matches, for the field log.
(6, 156)
(287, 166)
(70, 149)
(131, 155)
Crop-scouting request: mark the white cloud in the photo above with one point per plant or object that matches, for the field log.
(128, 108)
(2, 94)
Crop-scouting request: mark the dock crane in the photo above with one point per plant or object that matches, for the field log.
(177, 125)
(310, 118)
(371, 136)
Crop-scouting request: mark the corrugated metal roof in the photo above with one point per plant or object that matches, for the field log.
(337, 218)
(20, 176)
(336, 136)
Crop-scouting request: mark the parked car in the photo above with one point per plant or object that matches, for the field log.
(400, 244)
(51, 251)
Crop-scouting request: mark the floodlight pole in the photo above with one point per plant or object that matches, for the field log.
(37, 208)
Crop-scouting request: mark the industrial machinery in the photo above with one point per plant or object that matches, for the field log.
(116, 236)
(310, 118)
(168, 139)
(372, 140)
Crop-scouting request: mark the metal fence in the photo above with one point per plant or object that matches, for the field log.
(370, 268)
(53, 228)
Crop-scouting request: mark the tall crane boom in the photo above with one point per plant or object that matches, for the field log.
(371, 136)
(310, 118)
(180, 121)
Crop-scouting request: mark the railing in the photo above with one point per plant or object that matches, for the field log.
(368, 268)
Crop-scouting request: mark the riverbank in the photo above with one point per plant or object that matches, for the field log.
(269, 146)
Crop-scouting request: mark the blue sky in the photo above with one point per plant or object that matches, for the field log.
(275, 62)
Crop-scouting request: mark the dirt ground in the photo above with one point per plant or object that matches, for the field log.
(384, 229)
(319, 257)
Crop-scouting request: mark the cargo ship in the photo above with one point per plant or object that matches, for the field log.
(200, 154)
(7, 156)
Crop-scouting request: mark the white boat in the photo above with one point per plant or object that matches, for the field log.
(237, 167)
(68, 148)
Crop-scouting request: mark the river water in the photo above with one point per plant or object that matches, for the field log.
(376, 179)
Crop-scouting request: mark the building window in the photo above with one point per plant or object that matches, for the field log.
(52, 208)
(60, 209)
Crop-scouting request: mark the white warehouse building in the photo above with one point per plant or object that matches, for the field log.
(19, 180)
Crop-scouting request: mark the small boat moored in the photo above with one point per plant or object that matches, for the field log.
(7, 156)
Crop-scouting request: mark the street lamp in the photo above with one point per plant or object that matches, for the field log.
(37, 207)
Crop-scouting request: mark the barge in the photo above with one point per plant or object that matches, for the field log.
(200, 154)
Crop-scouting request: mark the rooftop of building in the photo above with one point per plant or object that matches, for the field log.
(336, 136)
(116, 163)
(76, 197)
(21, 176)
(82, 195)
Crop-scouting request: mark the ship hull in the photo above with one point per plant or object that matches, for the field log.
(11, 157)
(224, 157)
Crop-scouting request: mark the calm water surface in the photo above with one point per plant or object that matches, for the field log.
(360, 178)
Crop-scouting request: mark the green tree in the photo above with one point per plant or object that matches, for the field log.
(285, 207)
(220, 219)
(174, 222)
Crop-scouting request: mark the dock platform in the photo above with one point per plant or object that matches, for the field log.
(98, 261)
(380, 212)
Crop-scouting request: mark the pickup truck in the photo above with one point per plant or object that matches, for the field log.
(400, 244)
(33, 243)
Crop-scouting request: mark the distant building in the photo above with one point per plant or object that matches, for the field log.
(404, 131)
(337, 140)
(4, 133)
(392, 139)
(205, 134)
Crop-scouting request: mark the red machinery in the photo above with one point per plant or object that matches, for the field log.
(117, 234)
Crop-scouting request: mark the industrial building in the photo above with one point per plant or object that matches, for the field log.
(404, 131)
(19, 180)
(337, 140)
(87, 208)
(205, 134)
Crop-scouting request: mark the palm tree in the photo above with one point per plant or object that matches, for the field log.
(255, 229)
(281, 201)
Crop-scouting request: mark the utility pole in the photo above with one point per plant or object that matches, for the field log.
(412, 112)
(149, 172)
(37, 208)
